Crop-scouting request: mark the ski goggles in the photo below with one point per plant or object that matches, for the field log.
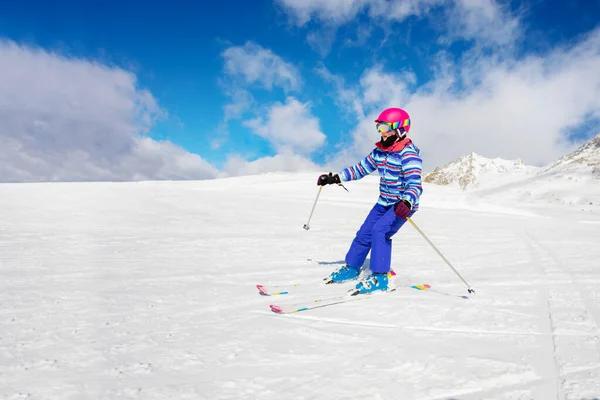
(385, 127)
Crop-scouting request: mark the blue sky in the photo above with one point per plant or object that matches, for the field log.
(132, 90)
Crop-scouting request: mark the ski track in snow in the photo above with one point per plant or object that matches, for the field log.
(584, 309)
(147, 291)
(551, 328)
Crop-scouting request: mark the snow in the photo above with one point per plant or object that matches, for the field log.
(586, 156)
(147, 291)
(474, 171)
(573, 180)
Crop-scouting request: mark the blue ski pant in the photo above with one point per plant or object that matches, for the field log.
(375, 236)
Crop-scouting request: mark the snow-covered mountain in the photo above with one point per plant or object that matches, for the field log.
(584, 159)
(571, 181)
(475, 171)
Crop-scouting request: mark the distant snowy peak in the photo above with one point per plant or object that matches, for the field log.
(471, 170)
(587, 157)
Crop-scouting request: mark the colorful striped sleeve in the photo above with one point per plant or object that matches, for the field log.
(412, 166)
(360, 170)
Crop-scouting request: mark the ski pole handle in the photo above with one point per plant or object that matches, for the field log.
(307, 226)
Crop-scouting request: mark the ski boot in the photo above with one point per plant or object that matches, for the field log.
(343, 274)
(375, 282)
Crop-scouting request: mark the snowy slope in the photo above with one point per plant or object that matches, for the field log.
(147, 291)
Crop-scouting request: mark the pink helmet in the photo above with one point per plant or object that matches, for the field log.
(393, 115)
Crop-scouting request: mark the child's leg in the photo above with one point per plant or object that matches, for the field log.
(381, 249)
(362, 242)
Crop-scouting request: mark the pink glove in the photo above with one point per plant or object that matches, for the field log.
(402, 209)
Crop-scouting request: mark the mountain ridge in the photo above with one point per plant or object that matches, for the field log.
(586, 157)
(473, 171)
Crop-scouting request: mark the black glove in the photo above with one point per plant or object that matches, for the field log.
(328, 179)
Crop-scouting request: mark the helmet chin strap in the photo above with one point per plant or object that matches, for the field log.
(401, 132)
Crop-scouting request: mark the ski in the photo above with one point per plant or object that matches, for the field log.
(279, 290)
(352, 295)
(312, 304)
(428, 287)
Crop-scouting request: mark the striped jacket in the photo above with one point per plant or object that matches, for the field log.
(399, 168)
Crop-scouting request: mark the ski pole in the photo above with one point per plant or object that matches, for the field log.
(440, 254)
(306, 225)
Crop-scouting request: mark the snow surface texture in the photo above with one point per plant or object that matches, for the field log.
(147, 291)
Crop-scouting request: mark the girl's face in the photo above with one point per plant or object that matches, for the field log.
(386, 135)
(385, 129)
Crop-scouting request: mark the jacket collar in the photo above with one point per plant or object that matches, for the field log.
(396, 147)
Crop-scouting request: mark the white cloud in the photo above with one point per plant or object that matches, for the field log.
(242, 102)
(289, 126)
(286, 161)
(250, 65)
(510, 108)
(401, 9)
(64, 118)
(379, 88)
(375, 91)
(521, 109)
(335, 12)
(363, 34)
(345, 98)
(257, 65)
(485, 21)
(164, 160)
(321, 40)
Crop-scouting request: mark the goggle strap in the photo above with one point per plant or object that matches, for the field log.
(397, 124)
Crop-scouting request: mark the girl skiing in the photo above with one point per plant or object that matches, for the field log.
(399, 164)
